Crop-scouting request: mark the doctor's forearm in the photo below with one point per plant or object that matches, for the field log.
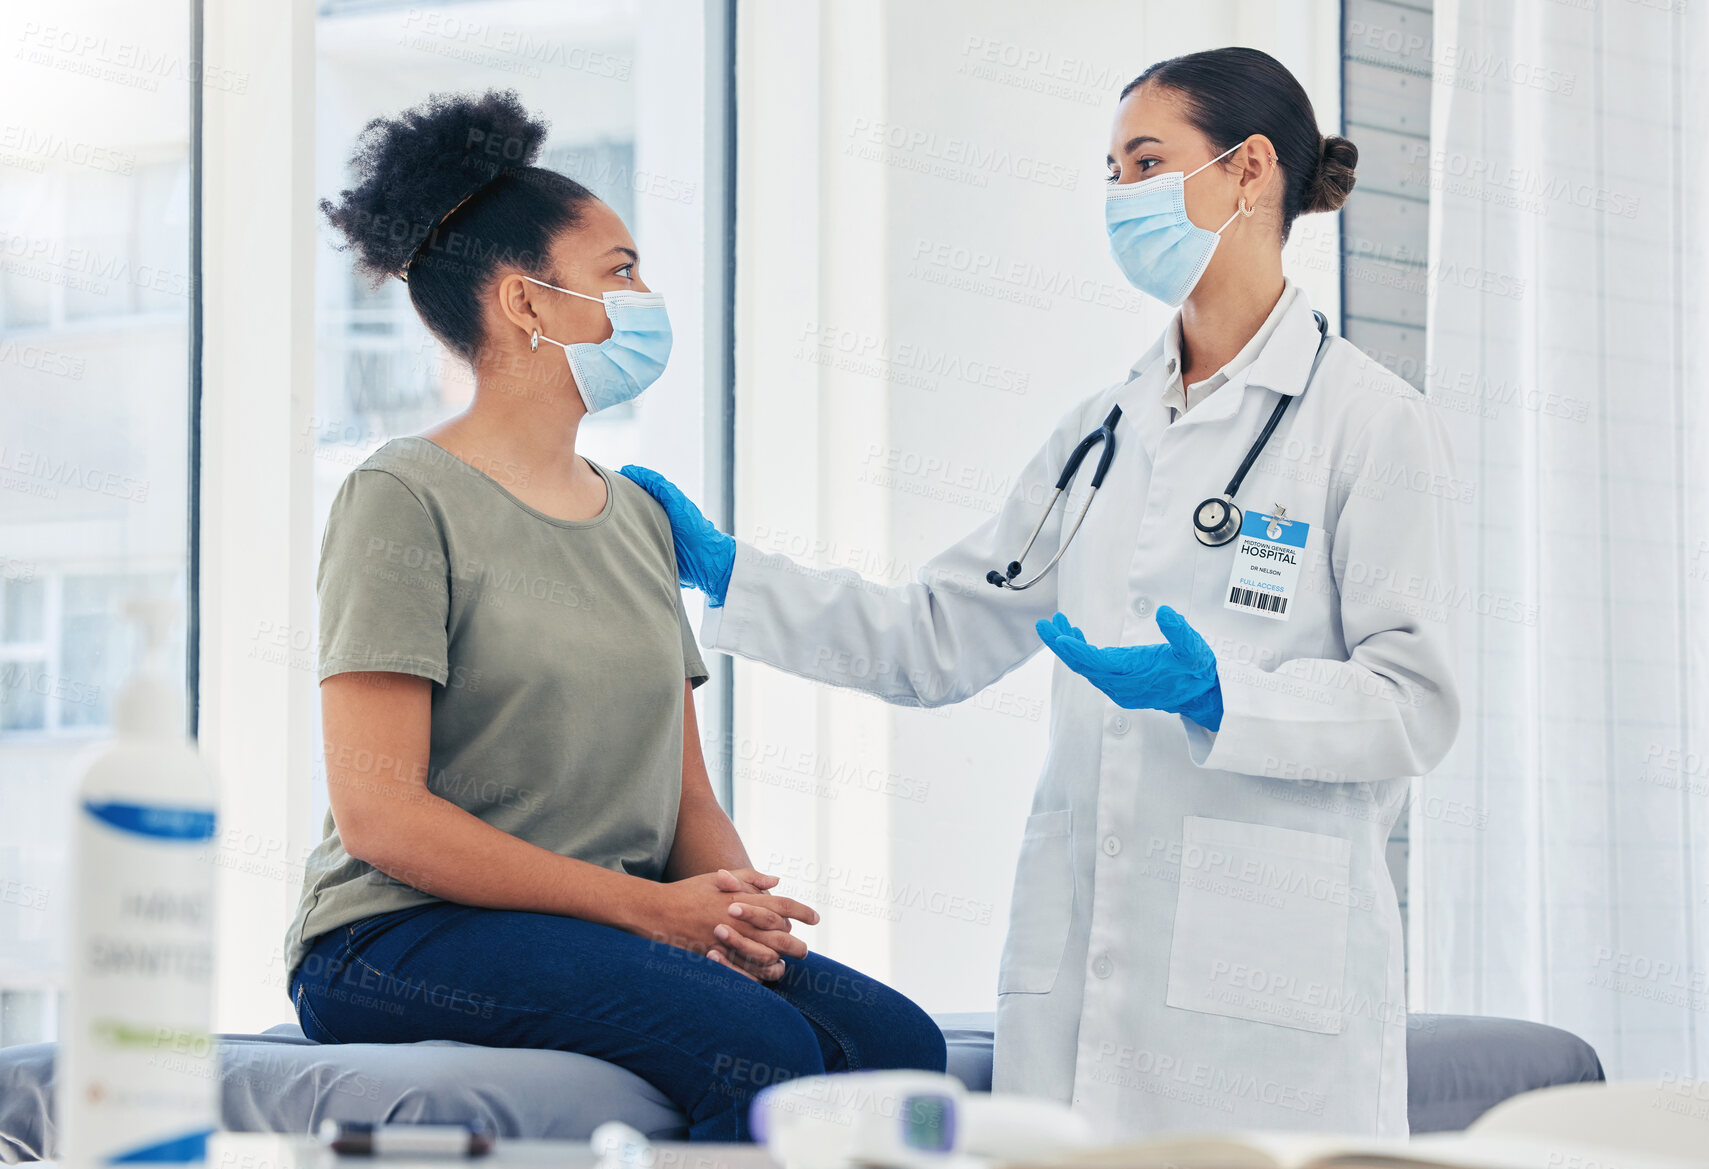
(935, 640)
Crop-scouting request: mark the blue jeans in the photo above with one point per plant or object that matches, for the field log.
(705, 1036)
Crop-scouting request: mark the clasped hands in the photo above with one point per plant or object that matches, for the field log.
(730, 917)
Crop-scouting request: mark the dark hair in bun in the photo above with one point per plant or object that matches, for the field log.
(446, 195)
(1333, 181)
(1233, 93)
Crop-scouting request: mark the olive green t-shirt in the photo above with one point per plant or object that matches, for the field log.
(559, 649)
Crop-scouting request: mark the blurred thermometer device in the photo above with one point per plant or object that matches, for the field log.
(907, 1120)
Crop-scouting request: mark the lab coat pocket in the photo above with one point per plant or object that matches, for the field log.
(1042, 905)
(1261, 924)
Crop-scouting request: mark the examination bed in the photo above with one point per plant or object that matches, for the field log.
(1458, 1067)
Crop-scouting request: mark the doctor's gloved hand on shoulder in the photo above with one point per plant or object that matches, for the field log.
(704, 555)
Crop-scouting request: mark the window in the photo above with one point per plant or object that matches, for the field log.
(95, 294)
(23, 655)
(64, 648)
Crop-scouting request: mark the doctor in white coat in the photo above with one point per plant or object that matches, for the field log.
(1203, 931)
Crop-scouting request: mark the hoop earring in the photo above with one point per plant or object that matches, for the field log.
(1244, 210)
(534, 339)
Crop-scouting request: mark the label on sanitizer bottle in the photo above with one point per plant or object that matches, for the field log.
(140, 1070)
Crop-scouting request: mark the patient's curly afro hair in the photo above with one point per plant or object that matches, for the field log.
(446, 197)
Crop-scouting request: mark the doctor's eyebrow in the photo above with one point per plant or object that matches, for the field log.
(1133, 144)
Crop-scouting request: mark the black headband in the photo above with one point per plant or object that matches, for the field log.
(403, 271)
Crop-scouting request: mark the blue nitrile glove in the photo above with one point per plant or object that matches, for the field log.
(1178, 676)
(704, 555)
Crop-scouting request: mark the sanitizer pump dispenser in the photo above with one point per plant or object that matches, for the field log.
(138, 1074)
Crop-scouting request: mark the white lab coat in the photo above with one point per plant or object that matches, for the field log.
(1203, 933)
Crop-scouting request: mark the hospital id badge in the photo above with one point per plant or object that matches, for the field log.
(1267, 556)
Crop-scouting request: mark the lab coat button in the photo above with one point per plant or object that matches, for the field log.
(1102, 966)
(1119, 724)
(1112, 845)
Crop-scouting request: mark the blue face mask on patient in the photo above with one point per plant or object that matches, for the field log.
(1160, 251)
(618, 368)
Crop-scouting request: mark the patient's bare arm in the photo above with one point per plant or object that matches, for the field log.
(376, 727)
(706, 842)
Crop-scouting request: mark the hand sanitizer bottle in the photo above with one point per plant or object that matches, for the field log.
(138, 1074)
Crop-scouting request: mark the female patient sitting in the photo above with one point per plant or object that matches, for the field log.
(523, 848)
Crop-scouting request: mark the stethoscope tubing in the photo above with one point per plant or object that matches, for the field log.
(1105, 434)
(1281, 408)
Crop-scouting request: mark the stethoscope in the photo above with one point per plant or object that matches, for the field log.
(1216, 521)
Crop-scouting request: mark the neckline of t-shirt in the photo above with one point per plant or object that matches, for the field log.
(555, 521)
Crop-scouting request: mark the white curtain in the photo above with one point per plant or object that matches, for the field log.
(1561, 862)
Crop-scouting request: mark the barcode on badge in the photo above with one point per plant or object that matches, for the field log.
(1253, 599)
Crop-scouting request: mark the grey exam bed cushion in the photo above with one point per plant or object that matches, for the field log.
(1459, 1066)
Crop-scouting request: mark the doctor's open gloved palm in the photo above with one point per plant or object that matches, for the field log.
(704, 555)
(1178, 675)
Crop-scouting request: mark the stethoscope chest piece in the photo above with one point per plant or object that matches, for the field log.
(1216, 521)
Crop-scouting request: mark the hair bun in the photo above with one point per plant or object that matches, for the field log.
(414, 169)
(1333, 180)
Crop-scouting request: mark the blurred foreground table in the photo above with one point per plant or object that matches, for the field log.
(243, 1150)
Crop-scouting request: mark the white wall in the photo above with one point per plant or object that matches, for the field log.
(923, 287)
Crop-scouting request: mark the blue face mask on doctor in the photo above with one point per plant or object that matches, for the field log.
(1160, 251)
(618, 368)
